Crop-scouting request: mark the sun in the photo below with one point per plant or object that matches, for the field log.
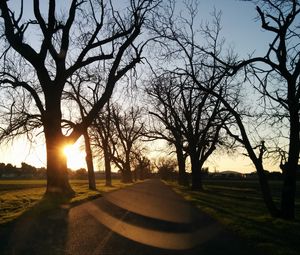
(75, 156)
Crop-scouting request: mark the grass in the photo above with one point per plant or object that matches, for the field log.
(239, 207)
(19, 196)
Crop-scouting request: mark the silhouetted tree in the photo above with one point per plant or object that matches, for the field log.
(207, 54)
(277, 76)
(196, 117)
(202, 115)
(168, 127)
(129, 129)
(280, 65)
(80, 174)
(90, 31)
(102, 137)
(2, 169)
(141, 164)
(9, 170)
(80, 85)
(28, 169)
(166, 168)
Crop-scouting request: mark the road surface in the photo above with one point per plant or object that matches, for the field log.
(145, 218)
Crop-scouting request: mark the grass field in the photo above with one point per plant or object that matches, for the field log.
(238, 205)
(18, 196)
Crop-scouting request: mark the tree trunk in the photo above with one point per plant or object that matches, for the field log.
(57, 174)
(263, 181)
(107, 165)
(289, 192)
(196, 172)
(182, 175)
(265, 190)
(290, 170)
(89, 161)
(127, 175)
(142, 174)
(135, 175)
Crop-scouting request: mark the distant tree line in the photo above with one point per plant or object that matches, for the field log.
(141, 171)
(25, 171)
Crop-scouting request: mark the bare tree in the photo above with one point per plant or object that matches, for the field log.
(202, 116)
(276, 78)
(194, 118)
(204, 119)
(90, 31)
(207, 54)
(85, 96)
(102, 137)
(17, 120)
(129, 129)
(142, 166)
(167, 125)
(166, 168)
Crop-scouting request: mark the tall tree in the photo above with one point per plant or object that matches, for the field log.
(85, 96)
(89, 32)
(167, 125)
(142, 168)
(197, 116)
(202, 116)
(280, 65)
(102, 138)
(277, 75)
(129, 129)
(208, 54)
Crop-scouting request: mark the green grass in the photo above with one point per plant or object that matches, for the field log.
(19, 196)
(239, 207)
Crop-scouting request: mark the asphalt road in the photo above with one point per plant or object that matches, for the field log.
(146, 218)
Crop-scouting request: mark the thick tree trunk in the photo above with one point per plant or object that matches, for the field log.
(182, 175)
(127, 175)
(57, 174)
(107, 165)
(290, 169)
(196, 172)
(89, 161)
(289, 192)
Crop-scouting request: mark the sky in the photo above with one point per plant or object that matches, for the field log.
(240, 29)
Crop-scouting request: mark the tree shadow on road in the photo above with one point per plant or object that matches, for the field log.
(132, 233)
(40, 230)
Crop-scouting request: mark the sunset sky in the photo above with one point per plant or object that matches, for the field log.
(240, 29)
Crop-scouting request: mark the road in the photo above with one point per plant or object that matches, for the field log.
(145, 218)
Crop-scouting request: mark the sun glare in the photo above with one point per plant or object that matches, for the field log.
(68, 150)
(75, 156)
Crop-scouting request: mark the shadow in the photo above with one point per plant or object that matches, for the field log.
(157, 233)
(147, 218)
(148, 222)
(158, 202)
(249, 221)
(40, 230)
(132, 229)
